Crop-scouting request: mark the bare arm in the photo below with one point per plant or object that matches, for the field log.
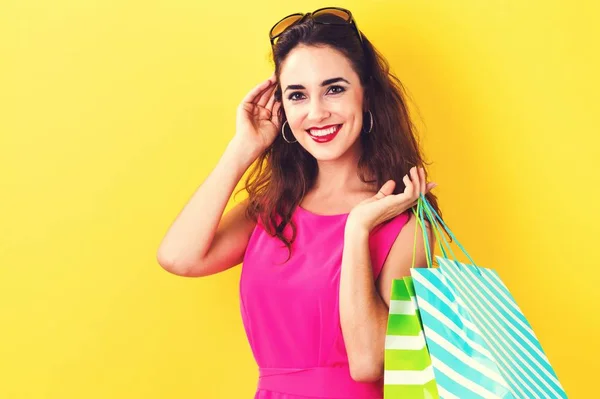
(363, 315)
(199, 242)
(400, 259)
(364, 303)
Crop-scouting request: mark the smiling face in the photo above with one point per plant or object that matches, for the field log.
(323, 101)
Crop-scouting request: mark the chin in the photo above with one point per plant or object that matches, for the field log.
(328, 154)
(326, 157)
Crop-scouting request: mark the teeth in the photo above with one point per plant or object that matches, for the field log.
(323, 132)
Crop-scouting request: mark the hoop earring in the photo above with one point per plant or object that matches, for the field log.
(283, 133)
(371, 124)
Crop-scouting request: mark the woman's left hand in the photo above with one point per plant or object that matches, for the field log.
(385, 205)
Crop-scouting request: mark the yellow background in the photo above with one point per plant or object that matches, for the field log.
(112, 113)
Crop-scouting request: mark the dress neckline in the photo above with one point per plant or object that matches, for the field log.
(306, 211)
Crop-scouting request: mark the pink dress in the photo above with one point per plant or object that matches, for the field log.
(291, 311)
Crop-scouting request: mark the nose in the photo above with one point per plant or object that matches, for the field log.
(317, 110)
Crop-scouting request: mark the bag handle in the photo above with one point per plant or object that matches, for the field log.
(423, 206)
(436, 230)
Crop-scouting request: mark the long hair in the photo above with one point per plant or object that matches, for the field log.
(284, 172)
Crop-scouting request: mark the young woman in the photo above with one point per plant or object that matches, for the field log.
(328, 223)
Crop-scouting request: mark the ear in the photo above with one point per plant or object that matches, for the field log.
(365, 105)
(278, 95)
(366, 96)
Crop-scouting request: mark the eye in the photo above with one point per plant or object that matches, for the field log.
(337, 89)
(295, 96)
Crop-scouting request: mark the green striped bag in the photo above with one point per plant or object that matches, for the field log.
(407, 366)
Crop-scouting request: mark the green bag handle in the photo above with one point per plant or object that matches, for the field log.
(434, 218)
(436, 230)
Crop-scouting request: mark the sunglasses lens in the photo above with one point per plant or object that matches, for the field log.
(332, 16)
(284, 24)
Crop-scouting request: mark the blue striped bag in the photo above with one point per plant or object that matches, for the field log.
(480, 343)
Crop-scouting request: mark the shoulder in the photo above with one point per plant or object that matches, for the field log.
(407, 242)
(391, 228)
(383, 238)
(409, 238)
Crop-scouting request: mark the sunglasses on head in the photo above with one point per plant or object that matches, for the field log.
(324, 16)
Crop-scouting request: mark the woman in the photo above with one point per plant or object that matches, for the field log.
(328, 222)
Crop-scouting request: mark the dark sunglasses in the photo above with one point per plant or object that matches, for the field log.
(325, 16)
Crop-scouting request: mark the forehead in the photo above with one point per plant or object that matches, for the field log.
(311, 65)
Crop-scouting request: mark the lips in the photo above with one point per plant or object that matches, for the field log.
(324, 134)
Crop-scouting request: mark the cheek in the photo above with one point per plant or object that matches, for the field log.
(350, 108)
(294, 116)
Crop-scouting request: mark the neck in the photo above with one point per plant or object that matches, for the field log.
(340, 175)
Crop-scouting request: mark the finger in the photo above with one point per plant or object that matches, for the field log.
(423, 180)
(431, 186)
(408, 185)
(275, 114)
(263, 97)
(266, 95)
(386, 189)
(257, 91)
(271, 101)
(414, 176)
(421, 183)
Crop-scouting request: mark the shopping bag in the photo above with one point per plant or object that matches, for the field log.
(407, 366)
(480, 343)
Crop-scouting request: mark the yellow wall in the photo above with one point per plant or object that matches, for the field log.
(112, 114)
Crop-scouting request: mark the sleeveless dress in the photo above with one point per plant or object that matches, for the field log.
(290, 311)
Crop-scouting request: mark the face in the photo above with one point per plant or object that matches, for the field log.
(323, 101)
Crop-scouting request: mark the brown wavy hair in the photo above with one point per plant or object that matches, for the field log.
(284, 172)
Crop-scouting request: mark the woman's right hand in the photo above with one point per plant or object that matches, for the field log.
(257, 123)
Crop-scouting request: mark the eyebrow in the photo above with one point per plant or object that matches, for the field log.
(324, 83)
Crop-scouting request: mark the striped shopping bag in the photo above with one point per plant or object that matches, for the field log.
(408, 372)
(480, 343)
